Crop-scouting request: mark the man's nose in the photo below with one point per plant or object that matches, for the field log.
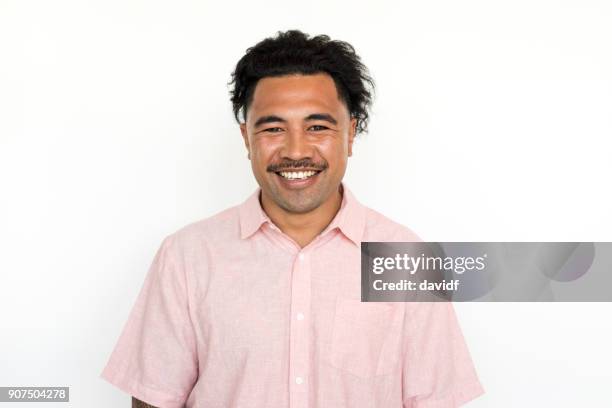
(296, 145)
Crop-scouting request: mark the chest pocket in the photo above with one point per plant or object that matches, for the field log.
(363, 336)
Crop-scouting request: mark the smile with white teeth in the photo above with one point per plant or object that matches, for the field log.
(300, 175)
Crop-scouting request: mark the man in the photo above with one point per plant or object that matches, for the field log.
(259, 305)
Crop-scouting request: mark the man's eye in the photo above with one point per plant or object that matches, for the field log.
(318, 127)
(273, 130)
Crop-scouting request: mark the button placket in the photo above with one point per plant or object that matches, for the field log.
(299, 358)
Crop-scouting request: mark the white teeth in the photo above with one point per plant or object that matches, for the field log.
(297, 174)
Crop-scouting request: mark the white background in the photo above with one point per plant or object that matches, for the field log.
(492, 121)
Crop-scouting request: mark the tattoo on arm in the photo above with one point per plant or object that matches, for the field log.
(136, 403)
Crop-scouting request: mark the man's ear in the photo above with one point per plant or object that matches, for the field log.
(245, 137)
(352, 133)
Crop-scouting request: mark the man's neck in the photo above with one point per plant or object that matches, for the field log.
(303, 228)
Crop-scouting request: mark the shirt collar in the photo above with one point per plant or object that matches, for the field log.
(350, 219)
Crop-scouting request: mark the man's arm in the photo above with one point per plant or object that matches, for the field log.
(136, 403)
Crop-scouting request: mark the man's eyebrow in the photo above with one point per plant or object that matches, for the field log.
(313, 116)
(322, 116)
(268, 119)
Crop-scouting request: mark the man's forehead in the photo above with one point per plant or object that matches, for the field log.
(294, 89)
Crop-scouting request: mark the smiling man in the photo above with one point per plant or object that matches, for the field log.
(259, 305)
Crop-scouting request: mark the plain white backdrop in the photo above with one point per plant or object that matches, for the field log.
(492, 122)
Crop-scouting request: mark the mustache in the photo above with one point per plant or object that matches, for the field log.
(296, 164)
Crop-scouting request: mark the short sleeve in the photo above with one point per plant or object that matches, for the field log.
(437, 370)
(155, 358)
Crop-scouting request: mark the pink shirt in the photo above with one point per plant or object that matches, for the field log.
(233, 313)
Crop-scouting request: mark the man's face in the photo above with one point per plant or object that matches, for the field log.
(299, 136)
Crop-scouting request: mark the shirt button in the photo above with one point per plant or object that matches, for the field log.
(300, 316)
(298, 380)
(301, 257)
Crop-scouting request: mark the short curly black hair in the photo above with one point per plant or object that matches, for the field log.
(293, 52)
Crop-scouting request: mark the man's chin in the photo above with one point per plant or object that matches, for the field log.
(295, 204)
(296, 200)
